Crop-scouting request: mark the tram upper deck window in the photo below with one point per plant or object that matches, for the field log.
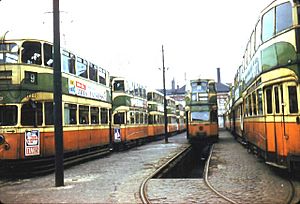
(32, 113)
(102, 76)
(8, 53)
(48, 56)
(8, 115)
(68, 62)
(282, 20)
(150, 96)
(119, 85)
(81, 67)
(93, 72)
(200, 87)
(31, 53)
(283, 16)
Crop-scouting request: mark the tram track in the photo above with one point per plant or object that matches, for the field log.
(143, 187)
(30, 168)
(207, 183)
(160, 171)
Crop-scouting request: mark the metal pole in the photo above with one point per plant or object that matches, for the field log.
(165, 99)
(58, 130)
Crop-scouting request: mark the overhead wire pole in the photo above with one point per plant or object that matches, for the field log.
(58, 129)
(165, 99)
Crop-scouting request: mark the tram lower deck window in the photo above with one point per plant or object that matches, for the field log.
(8, 115)
(70, 111)
(31, 113)
(293, 100)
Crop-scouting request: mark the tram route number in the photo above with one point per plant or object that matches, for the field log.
(30, 77)
(32, 142)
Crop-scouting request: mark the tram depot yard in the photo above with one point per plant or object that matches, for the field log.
(117, 178)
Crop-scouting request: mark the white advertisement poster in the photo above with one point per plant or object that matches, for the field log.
(32, 142)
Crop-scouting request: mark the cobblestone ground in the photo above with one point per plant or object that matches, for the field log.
(181, 191)
(243, 177)
(112, 179)
(117, 177)
(234, 173)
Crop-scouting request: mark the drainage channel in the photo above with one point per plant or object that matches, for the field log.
(190, 164)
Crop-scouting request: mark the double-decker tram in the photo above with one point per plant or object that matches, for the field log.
(266, 105)
(156, 118)
(26, 105)
(171, 115)
(129, 114)
(202, 113)
(180, 117)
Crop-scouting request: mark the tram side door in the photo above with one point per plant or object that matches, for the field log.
(275, 122)
(292, 112)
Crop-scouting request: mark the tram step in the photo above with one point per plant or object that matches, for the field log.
(276, 165)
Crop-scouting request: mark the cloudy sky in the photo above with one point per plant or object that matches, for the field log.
(126, 36)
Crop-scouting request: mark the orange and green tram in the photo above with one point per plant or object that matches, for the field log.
(201, 111)
(268, 104)
(26, 104)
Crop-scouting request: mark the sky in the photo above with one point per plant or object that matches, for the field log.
(126, 37)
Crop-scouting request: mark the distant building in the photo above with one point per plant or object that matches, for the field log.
(222, 97)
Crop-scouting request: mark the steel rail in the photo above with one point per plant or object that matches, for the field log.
(207, 182)
(143, 190)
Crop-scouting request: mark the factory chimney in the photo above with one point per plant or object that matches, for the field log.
(218, 75)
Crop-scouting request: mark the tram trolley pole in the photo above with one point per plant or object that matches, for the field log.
(58, 129)
(165, 99)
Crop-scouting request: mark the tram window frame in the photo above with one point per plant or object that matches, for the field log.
(48, 54)
(31, 52)
(151, 119)
(70, 114)
(250, 105)
(119, 118)
(277, 99)
(254, 100)
(119, 85)
(146, 118)
(257, 35)
(93, 72)
(81, 67)
(137, 117)
(8, 115)
(269, 96)
(28, 111)
(284, 18)
(259, 102)
(68, 62)
(246, 107)
(293, 99)
(131, 117)
(9, 53)
(268, 25)
(94, 115)
(104, 115)
(83, 114)
(142, 118)
(102, 76)
(49, 116)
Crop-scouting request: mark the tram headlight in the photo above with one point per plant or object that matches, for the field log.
(2, 139)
